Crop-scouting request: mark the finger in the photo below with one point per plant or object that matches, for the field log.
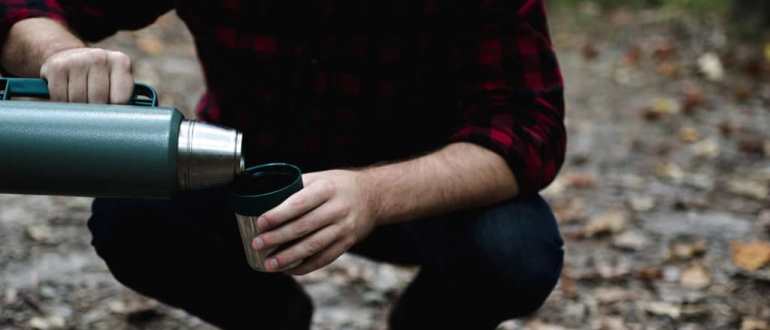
(121, 78)
(77, 85)
(296, 205)
(309, 178)
(322, 259)
(298, 228)
(58, 82)
(55, 72)
(99, 83)
(305, 248)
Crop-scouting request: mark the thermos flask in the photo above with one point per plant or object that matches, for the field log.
(136, 150)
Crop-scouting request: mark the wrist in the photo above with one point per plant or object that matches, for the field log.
(32, 41)
(371, 195)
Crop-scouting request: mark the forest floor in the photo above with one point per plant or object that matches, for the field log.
(663, 201)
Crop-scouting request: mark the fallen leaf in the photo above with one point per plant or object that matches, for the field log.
(630, 240)
(695, 277)
(687, 250)
(632, 56)
(711, 66)
(767, 52)
(754, 324)
(641, 203)
(49, 322)
(41, 233)
(752, 145)
(652, 273)
(572, 210)
(664, 50)
(606, 223)
(708, 149)
(748, 188)
(668, 69)
(580, 180)
(613, 295)
(750, 256)
(670, 171)
(693, 97)
(689, 134)
(589, 51)
(661, 107)
(663, 309)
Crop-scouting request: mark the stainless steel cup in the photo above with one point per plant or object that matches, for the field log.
(256, 191)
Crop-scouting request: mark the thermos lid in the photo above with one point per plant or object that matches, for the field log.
(262, 187)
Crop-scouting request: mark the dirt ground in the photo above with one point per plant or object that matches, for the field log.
(663, 201)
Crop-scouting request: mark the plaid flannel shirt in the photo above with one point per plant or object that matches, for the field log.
(334, 83)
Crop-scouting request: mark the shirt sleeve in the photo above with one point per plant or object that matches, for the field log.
(89, 19)
(511, 92)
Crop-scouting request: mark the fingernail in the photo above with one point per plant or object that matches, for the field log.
(271, 264)
(258, 243)
(261, 223)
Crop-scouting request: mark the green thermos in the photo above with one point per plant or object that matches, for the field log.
(136, 150)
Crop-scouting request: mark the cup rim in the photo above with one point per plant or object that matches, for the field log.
(265, 169)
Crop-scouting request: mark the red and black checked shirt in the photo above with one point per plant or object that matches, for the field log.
(330, 83)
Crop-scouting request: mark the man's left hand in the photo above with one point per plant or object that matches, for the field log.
(332, 213)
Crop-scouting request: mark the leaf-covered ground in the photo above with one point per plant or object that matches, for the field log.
(663, 200)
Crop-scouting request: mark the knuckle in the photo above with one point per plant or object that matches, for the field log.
(297, 202)
(120, 59)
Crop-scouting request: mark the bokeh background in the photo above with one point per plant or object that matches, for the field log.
(663, 201)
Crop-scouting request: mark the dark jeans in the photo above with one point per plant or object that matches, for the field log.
(478, 267)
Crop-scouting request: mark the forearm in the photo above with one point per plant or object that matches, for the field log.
(31, 41)
(459, 176)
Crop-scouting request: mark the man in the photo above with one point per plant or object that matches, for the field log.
(426, 129)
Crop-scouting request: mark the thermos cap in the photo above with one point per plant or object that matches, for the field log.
(208, 155)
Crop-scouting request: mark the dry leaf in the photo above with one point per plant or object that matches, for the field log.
(580, 180)
(751, 256)
(754, 324)
(606, 223)
(708, 149)
(711, 66)
(687, 250)
(755, 189)
(589, 51)
(664, 309)
(630, 240)
(689, 134)
(662, 107)
(695, 277)
(670, 171)
(693, 98)
(641, 203)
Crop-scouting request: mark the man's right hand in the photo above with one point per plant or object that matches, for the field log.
(88, 75)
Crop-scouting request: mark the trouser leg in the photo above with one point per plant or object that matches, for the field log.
(478, 268)
(187, 253)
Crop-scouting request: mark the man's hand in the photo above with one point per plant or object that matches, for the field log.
(332, 213)
(88, 75)
(42, 47)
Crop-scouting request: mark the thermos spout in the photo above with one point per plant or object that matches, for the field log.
(208, 155)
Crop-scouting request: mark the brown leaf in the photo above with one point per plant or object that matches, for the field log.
(606, 223)
(661, 107)
(695, 277)
(693, 97)
(748, 188)
(652, 273)
(589, 51)
(580, 180)
(750, 256)
(572, 210)
(689, 134)
(754, 324)
(687, 250)
(752, 145)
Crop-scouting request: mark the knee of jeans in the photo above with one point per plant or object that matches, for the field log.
(521, 252)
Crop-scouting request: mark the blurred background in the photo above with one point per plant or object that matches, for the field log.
(663, 201)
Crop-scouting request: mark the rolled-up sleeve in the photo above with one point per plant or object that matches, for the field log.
(91, 20)
(511, 92)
